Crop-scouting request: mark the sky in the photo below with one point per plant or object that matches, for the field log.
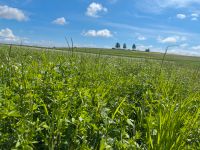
(152, 24)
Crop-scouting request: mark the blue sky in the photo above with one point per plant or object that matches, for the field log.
(150, 24)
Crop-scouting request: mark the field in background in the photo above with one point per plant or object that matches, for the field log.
(126, 53)
(91, 99)
(136, 54)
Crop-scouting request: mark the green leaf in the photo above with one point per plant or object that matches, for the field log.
(130, 122)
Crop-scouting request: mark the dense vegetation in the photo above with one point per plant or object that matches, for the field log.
(61, 100)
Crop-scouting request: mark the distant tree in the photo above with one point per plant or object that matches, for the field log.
(117, 45)
(134, 47)
(124, 46)
(147, 50)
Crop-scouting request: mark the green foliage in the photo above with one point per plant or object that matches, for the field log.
(117, 45)
(133, 47)
(147, 50)
(55, 100)
(124, 46)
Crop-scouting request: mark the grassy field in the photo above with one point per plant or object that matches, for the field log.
(136, 54)
(63, 100)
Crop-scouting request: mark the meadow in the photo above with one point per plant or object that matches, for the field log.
(98, 99)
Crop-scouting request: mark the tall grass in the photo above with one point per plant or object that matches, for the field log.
(54, 100)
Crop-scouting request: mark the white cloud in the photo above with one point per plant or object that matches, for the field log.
(180, 3)
(60, 21)
(7, 12)
(181, 16)
(157, 6)
(95, 8)
(195, 15)
(196, 47)
(175, 3)
(194, 19)
(7, 35)
(98, 33)
(172, 39)
(141, 38)
(183, 51)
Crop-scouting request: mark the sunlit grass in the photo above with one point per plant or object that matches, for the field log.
(55, 100)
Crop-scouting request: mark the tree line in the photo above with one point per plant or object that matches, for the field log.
(118, 46)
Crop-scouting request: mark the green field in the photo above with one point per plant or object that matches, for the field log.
(91, 99)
